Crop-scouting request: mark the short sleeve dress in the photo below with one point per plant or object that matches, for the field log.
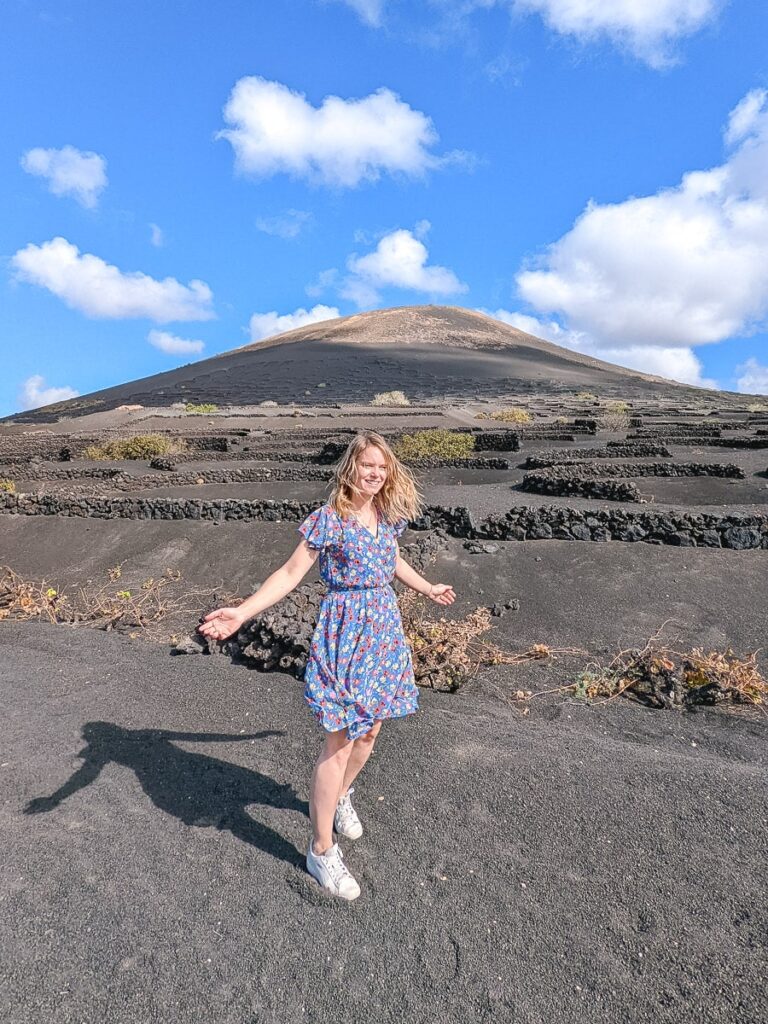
(359, 668)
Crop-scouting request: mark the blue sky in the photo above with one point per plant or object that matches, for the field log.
(179, 179)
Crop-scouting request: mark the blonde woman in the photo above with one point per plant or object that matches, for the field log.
(359, 670)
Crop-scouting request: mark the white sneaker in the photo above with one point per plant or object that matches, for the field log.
(332, 873)
(345, 820)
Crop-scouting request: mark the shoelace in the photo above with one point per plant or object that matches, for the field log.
(337, 868)
(345, 804)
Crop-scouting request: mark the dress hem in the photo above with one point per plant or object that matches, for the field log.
(374, 718)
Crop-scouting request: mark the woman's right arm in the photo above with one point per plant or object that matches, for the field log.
(223, 622)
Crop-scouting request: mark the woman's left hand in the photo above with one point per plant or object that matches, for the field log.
(441, 593)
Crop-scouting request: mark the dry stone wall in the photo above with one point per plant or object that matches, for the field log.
(611, 451)
(518, 523)
(598, 481)
(586, 470)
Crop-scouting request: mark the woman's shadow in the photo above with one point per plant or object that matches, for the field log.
(198, 789)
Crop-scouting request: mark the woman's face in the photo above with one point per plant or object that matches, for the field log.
(371, 470)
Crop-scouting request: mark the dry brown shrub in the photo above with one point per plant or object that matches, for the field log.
(145, 608)
(27, 599)
(613, 421)
(662, 677)
(447, 653)
(397, 398)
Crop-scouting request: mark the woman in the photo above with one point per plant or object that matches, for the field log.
(359, 670)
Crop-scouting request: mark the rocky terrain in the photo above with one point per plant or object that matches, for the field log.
(551, 860)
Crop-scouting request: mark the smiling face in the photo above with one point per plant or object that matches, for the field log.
(371, 471)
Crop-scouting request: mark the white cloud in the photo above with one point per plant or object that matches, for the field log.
(173, 345)
(68, 171)
(98, 289)
(753, 379)
(341, 142)
(369, 11)
(684, 267)
(549, 330)
(398, 261)
(645, 27)
(264, 325)
(680, 364)
(286, 225)
(157, 236)
(33, 394)
(674, 363)
(324, 280)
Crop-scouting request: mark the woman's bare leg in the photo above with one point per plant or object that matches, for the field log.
(325, 788)
(361, 751)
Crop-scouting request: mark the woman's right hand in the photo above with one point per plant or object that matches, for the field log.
(220, 624)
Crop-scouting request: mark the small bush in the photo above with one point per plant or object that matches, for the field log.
(447, 653)
(757, 407)
(443, 444)
(200, 409)
(585, 396)
(507, 416)
(147, 610)
(7, 485)
(665, 678)
(269, 404)
(390, 398)
(614, 416)
(614, 421)
(142, 446)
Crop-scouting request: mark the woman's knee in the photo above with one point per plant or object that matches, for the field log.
(369, 738)
(338, 746)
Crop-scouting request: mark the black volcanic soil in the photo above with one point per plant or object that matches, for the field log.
(579, 862)
(576, 863)
(600, 864)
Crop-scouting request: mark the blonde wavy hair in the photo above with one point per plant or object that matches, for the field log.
(399, 498)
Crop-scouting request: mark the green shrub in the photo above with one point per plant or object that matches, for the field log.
(390, 398)
(443, 444)
(507, 416)
(7, 485)
(142, 446)
(200, 409)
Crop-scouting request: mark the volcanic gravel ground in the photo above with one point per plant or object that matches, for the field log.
(576, 864)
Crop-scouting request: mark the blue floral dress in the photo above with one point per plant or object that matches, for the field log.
(359, 668)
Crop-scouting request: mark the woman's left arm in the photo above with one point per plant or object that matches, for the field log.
(441, 593)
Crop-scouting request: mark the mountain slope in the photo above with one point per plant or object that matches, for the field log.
(429, 352)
